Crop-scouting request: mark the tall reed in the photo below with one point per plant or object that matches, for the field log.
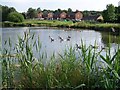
(73, 69)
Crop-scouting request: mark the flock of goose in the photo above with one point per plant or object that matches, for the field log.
(77, 46)
(92, 46)
(60, 38)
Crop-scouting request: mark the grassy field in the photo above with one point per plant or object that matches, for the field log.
(22, 69)
(67, 24)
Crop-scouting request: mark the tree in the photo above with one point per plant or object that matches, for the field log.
(31, 13)
(24, 15)
(0, 13)
(5, 11)
(69, 10)
(12, 9)
(109, 14)
(117, 14)
(15, 17)
(39, 10)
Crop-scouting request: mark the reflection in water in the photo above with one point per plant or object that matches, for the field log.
(110, 38)
(57, 40)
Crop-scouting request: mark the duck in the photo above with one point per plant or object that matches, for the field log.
(78, 47)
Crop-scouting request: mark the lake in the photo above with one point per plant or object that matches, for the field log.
(57, 46)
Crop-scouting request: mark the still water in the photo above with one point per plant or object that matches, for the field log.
(57, 46)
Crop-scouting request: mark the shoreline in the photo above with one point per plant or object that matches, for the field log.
(62, 24)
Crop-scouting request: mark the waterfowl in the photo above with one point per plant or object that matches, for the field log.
(94, 46)
(61, 39)
(113, 30)
(102, 47)
(51, 38)
(69, 37)
(78, 47)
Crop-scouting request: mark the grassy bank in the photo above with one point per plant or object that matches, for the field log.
(67, 24)
(22, 69)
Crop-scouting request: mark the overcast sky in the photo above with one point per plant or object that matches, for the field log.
(23, 5)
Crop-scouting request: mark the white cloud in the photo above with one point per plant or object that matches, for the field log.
(23, 5)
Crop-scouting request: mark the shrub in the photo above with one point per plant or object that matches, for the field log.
(15, 17)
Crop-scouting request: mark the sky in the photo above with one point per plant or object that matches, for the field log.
(23, 5)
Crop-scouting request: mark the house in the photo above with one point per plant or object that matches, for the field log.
(40, 15)
(78, 15)
(63, 15)
(50, 16)
(75, 15)
(93, 18)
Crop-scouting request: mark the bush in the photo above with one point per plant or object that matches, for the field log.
(15, 17)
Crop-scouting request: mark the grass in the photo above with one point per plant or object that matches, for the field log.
(68, 24)
(21, 69)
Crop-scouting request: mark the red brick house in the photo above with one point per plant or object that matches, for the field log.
(39, 15)
(78, 15)
(63, 15)
(75, 15)
(50, 16)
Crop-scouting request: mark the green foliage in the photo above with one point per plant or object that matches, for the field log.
(118, 18)
(69, 10)
(0, 13)
(109, 14)
(31, 13)
(21, 69)
(15, 17)
(5, 11)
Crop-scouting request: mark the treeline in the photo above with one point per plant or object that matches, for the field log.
(110, 14)
(10, 14)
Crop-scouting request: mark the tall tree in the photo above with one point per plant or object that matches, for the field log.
(118, 14)
(0, 13)
(5, 11)
(39, 10)
(69, 10)
(31, 13)
(109, 14)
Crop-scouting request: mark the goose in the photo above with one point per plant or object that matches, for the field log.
(61, 39)
(94, 46)
(113, 30)
(78, 47)
(51, 38)
(69, 37)
(102, 47)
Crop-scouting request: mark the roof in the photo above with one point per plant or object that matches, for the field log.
(92, 17)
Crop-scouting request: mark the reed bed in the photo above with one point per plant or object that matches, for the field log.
(21, 69)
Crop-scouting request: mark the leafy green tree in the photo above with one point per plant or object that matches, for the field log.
(31, 13)
(0, 13)
(69, 10)
(39, 10)
(118, 18)
(117, 11)
(15, 17)
(5, 11)
(24, 15)
(109, 14)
